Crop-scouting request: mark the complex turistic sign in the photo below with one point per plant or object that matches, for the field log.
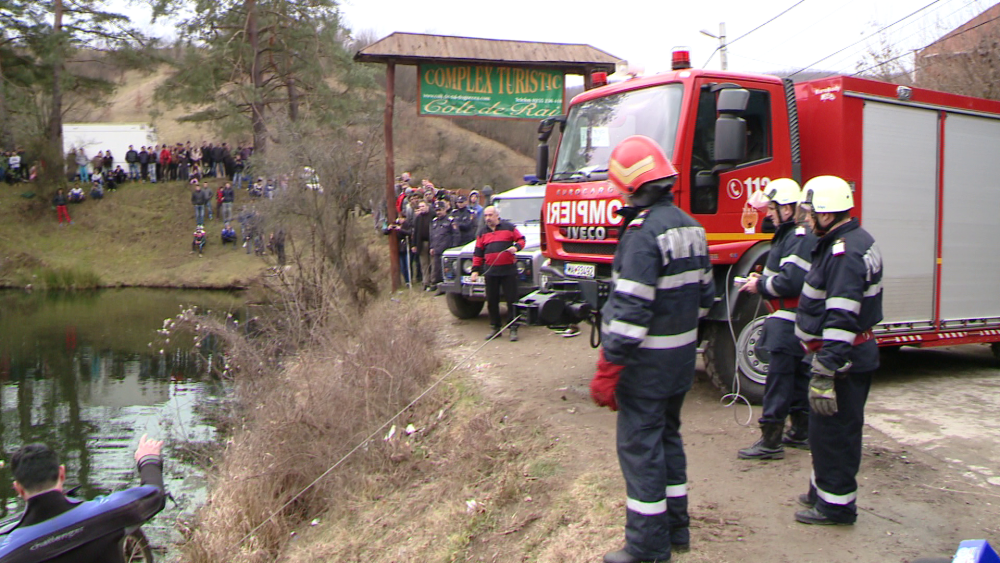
(490, 91)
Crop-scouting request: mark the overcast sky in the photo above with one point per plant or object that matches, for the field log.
(645, 31)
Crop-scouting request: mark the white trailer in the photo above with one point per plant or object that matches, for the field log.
(116, 137)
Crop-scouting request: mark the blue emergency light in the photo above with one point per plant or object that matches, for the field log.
(975, 551)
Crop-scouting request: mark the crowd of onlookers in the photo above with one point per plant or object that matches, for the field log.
(429, 221)
(196, 165)
(166, 163)
(14, 168)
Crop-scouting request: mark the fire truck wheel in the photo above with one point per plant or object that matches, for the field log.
(996, 349)
(724, 359)
(464, 308)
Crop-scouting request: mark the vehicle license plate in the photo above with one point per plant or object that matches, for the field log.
(580, 270)
(467, 280)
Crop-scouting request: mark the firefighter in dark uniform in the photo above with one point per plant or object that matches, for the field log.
(841, 301)
(662, 287)
(781, 283)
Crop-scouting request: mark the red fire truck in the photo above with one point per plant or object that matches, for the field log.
(923, 164)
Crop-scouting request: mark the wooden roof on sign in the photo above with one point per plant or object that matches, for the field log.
(416, 48)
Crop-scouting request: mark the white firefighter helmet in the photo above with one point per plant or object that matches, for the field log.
(783, 191)
(828, 194)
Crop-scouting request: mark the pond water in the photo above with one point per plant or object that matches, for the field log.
(77, 372)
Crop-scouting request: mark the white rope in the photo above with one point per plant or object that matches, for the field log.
(735, 396)
(376, 432)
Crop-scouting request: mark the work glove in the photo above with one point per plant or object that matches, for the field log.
(602, 386)
(822, 394)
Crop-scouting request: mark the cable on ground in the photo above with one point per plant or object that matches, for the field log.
(374, 433)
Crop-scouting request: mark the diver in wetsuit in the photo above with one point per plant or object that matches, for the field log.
(57, 529)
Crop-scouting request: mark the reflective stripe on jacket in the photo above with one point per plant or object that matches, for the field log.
(842, 298)
(662, 287)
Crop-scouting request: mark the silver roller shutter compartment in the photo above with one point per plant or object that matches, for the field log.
(970, 267)
(899, 208)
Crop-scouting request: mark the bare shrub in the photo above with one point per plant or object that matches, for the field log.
(298, 418)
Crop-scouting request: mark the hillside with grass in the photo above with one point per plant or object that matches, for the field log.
(139, 235)
(431, 147)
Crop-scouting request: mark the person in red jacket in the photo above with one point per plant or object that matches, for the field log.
(496, 247)
(165, 159)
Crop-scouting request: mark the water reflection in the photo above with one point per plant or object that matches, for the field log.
(77, 372)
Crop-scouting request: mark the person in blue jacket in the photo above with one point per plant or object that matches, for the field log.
(98, 535)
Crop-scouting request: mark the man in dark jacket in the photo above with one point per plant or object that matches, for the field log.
(403, 232)
(841, 302)
(444, 235)
(200, 198)
(208, 159)
(228, 197)
(464, 220)
(143, 164)
(218, 152)
(781, 283)
(421, 246)
(132, 158)
(39, 478)
(495, 259)
(663, 287)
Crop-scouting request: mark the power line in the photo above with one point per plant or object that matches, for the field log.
(765, 23)
(751, 31)
(964, 31)
(864, 38)
(838, 63)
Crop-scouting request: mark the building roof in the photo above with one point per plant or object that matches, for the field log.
(986, 17)
(416, 48)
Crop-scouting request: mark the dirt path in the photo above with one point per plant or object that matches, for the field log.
(912, 503)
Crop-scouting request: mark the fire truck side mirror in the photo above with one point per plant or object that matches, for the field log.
(545, 128)
(732, 101)
(547, 125)
(730, 129)
(542, 163)
(730, 139)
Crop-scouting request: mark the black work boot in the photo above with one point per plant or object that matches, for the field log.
(513, 334)
(813, 516)
(769, 446)
(805, 501)
(622, 556)
(797, 436)
(495, 331)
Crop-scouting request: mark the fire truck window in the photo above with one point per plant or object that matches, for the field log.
(758, 118)
(705, 200)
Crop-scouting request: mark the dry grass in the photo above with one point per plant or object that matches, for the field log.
(298, 421)
(458, 487)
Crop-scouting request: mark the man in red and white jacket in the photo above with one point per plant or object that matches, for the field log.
(496, 246)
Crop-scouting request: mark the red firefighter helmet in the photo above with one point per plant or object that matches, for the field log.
(636, 161)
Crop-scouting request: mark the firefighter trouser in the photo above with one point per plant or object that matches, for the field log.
(493, 286)
(651, 456)
(835, 442)
(787, 388)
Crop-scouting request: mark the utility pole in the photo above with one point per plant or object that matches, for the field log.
(722, 43)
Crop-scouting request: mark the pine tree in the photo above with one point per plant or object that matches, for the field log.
(248, 61)
(40, 38)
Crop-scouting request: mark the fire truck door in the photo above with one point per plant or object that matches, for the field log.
(722, 206)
